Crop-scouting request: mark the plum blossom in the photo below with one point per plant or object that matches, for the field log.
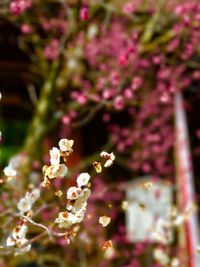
(55, 156)
(77, 203)
(73, 193)
(129, 8)
(160, 256)
(107, 244)
(83, 179)
(97, 166)
(17, 239)
(14, 165)
(25, 204)
(175, 262)
(104, 220)
(81, 202)
(19, 6)
(67, 219)
(52, 172)
(108, 157)
(52, 50)
(65, 145)
(56, 169)
(84, 13)
(9, 171)
(76, 210)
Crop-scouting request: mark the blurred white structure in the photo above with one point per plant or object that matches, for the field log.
(149, 205)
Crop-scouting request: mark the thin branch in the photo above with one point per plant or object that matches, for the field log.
(87, 118)
(32, 94)
(36, 224)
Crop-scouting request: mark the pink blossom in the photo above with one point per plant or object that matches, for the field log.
(66, 119)
(52, 50)
(18, 6)
(26, 28)
(129, 8)
(84, 13)
(118, 103)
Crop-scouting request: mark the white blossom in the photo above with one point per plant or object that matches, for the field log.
(24, 205)
(108, 163)
(104, 220)
(81, 202)
(65, 145)
(17, 239)
(86, 194)
(160, 256)
(109, 253)
(179, 220)
(175, 262)
(76, 211)
(55, 156)
(10, 242)
(73, 193)
(66, 219)
(97, 166)
(62, 171)
(109, 157)
(59, 170)
(34, 195)
(9, 171)
(83, 179)
(92, 31)
(18, 161)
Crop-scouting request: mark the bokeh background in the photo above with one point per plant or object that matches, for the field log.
(104, 73)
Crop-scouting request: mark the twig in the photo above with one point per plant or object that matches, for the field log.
(87, 118)
(5, 212)
(36, 224)
(32, 94)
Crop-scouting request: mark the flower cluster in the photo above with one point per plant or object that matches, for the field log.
(56, 169)
(14, 165)
(77, 196)
(19, 6)
(18, 238)
(76, 203)
(109, 158)
(25, 204)
(163, 259)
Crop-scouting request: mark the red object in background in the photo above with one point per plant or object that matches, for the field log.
(185, 184)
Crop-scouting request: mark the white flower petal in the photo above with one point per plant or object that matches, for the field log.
(55, 156)
(34, 195)
(73, 193)
(25, 204)
(10, 242)
(83, 179)
(65, 145)
(19, 232)
(62, 171)
(9, 171)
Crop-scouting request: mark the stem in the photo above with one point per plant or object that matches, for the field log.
(151, 25)
(37, 127)
(36, 224)
(43, 111)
